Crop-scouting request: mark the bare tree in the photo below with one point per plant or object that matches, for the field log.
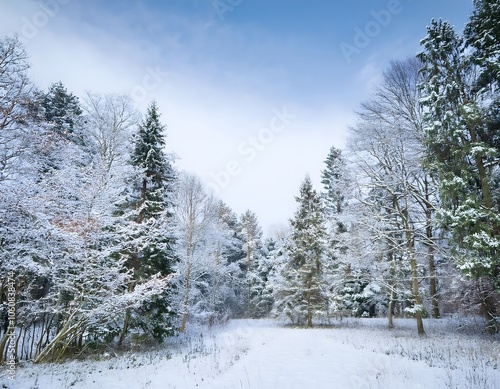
(200, 237)
(110, 120)
(387, 146)
(16, 98)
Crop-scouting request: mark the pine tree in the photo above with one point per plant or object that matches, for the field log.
(482, 34)
(234, 256)
(334, 182)
(251, 234)
(262, 288)
(301, 296)
(461, 129)
(62, 109)
(150, 244)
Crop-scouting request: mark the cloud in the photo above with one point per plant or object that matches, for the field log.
(211, 99)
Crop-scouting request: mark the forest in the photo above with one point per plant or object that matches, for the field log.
(104, 243)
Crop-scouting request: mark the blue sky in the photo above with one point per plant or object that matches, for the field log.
(226, 72)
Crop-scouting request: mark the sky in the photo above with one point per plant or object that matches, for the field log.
(253, 92)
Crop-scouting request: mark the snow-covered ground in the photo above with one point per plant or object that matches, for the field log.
(265, 354)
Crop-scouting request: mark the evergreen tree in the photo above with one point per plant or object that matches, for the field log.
(233, 254)
(337, 265)
(461, 128)
(333, 178)
(262, 288)
(301, 295)
(149, 247)
(264, 271)
(251, 234)
(61, 109)
(482, 34)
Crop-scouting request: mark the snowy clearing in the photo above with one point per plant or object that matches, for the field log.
(265, 354)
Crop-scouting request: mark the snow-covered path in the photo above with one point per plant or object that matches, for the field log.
(262, 354)
(294, 358)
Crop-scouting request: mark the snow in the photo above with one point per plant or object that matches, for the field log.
(353, 353)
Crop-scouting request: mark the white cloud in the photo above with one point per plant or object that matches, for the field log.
(207, 116)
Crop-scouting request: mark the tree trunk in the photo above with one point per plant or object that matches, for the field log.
(430, 252)
(409, 234)
(186, 298)
(3, 343)
(144, 188)
(66, 331)
(415, 288)
(309, 307)
(433, 283)
(249, 253)
(390, 314)
(489, 301)
(126, 321)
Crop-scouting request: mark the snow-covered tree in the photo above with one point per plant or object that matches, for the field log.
(460, 93)
(147, 224)
(482, 35)
(251, 234)
(110, 121)
(16, 98)
(300, 297)
(338, 264)
(387, 146)
(62, 110)
(234, 286)
(261, 273)
(201, 238)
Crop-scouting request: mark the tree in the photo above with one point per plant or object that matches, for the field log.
(396, 101)
(251, 234)
(201, 236)
(387, 145)
(301, 296)
(109, 120)
(333, 178)
(338, 265)
(482, 35)
(148, 223)
(16, 98)
(62, 109)
(262, 286)
(460, 93)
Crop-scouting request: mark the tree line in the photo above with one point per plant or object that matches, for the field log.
(111, 245)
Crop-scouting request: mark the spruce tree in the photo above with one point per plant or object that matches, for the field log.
(62, 109)
(301, 295)
(150, 243)
(251, 234)
(334, 182)
(460, 92)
